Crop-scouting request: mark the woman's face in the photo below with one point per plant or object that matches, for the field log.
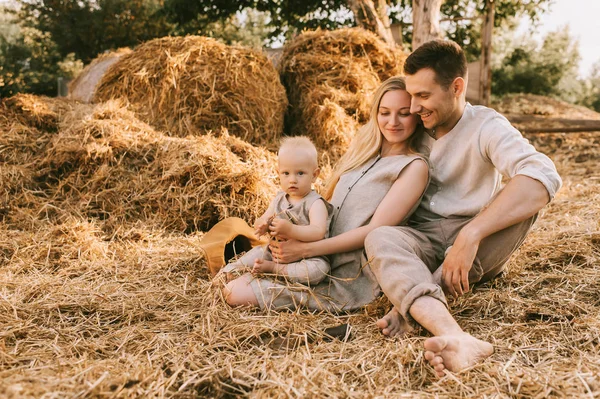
(394, 119)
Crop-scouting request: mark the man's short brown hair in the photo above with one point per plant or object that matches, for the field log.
(445, 57)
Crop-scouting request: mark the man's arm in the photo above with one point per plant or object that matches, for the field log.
(522, 198)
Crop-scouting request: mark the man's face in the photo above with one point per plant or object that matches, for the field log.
(437, 107)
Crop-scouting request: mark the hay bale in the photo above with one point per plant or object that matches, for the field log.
(108, 165)
(83, 86)
(330, 77)
(190, 85)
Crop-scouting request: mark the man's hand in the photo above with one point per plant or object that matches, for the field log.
(458, 263)
(280, 227)
(287, 251)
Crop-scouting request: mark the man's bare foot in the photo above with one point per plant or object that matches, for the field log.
(455, 352)
(264, 266)
(393, 324)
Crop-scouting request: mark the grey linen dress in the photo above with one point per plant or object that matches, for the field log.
(350, 284)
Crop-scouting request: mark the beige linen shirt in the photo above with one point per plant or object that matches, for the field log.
(467, 165)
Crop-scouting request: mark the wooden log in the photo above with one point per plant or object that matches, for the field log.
(576, 129)
(540, 124)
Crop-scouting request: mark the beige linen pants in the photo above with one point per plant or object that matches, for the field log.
(309, 271)
(404, 259)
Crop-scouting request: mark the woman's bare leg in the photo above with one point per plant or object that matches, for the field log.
(239, 292)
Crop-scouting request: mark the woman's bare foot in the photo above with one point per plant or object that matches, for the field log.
(393, 324)
(455, 352)
(264, 266)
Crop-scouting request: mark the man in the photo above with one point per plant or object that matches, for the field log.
(464, 223)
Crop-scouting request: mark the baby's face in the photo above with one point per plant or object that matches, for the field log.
(296, 173)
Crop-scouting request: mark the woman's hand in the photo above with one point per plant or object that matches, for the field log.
(288, 251)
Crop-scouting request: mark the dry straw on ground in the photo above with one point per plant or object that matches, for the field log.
(82, 88)
(189, 85)
(330, 77)
(131, 313)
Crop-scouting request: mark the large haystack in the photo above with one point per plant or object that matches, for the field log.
(82, 88)
(108, 165)
(190, 85)
(330, 77)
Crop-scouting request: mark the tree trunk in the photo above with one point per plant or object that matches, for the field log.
(485, 82)
(372, 15)
(426, 21)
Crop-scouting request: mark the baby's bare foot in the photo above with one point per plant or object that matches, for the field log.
(393, 324)
(455, 352)
(263, 266)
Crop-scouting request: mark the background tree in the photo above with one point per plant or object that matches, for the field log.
(89, 27)
(549, 68)
(249, 29)
(425, 21)
(286, 18)
(30, 62)
(373, 16)
(591, 89)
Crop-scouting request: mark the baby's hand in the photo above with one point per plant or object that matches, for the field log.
(280, 227)
(263, 266)
(261, 227)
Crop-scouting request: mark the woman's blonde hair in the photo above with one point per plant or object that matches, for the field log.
(368, 139)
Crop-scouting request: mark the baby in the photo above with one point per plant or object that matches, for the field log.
(297, 212)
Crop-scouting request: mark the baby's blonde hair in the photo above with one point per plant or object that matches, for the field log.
(301, 143)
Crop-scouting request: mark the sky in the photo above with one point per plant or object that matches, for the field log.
(583, 17)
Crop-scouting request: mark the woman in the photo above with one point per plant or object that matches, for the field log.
(378, 182)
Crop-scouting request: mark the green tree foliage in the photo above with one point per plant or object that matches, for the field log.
(248, 28)
(289, 17)
(283, 17)
(546, 69)
(41, 40)
(89, 27)
(30, 62)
